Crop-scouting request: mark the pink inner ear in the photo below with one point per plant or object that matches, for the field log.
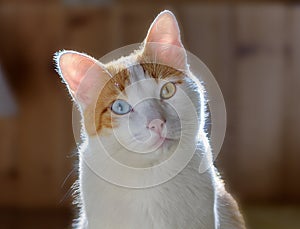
(84, 76)
(164, 30)
(74, 67)
(163, 44)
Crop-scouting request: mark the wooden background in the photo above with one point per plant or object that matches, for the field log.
(252, 50)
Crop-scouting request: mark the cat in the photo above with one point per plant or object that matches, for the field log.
(147, 112)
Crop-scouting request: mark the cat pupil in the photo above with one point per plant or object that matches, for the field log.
(167, 90)
(120, 108)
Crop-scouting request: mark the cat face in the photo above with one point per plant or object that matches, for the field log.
(144, 114)
(142, 106)
(150, 113)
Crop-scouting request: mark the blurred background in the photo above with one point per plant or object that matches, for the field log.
(253, 51)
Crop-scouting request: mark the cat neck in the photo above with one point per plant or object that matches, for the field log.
(102, 200)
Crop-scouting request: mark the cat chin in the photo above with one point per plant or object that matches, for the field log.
(110, 147)
(159, 145)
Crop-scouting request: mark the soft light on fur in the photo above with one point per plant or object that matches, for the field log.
(188, 200)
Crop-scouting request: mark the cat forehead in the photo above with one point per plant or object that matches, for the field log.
(137, 73)
(137, 69)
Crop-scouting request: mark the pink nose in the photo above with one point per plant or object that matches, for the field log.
(156, 125)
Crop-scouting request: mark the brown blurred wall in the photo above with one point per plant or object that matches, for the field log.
(252, 50)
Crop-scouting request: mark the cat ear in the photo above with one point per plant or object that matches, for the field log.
(163, 42)
(84, 76)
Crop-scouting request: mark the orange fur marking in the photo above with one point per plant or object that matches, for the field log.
(98, 117)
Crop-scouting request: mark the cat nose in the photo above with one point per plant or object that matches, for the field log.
(156, 125)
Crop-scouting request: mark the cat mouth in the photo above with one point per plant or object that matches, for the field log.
(154, 143)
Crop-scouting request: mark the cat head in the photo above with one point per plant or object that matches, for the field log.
(140, 106)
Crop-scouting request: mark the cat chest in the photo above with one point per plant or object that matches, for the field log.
(167, 206)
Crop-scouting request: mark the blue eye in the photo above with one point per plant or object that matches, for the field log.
(120, 107)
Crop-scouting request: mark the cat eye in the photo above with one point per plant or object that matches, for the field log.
(120, 107)
(167, 90)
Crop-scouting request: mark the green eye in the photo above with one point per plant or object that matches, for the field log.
(120, 107)
(167, 90)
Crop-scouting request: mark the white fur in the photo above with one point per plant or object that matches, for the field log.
(186, 201)
(111, 196)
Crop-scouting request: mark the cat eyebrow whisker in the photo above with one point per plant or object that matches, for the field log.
(67, 177)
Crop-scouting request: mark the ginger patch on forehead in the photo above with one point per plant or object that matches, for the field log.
(159, 71)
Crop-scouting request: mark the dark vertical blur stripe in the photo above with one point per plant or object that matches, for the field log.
(8, 106)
